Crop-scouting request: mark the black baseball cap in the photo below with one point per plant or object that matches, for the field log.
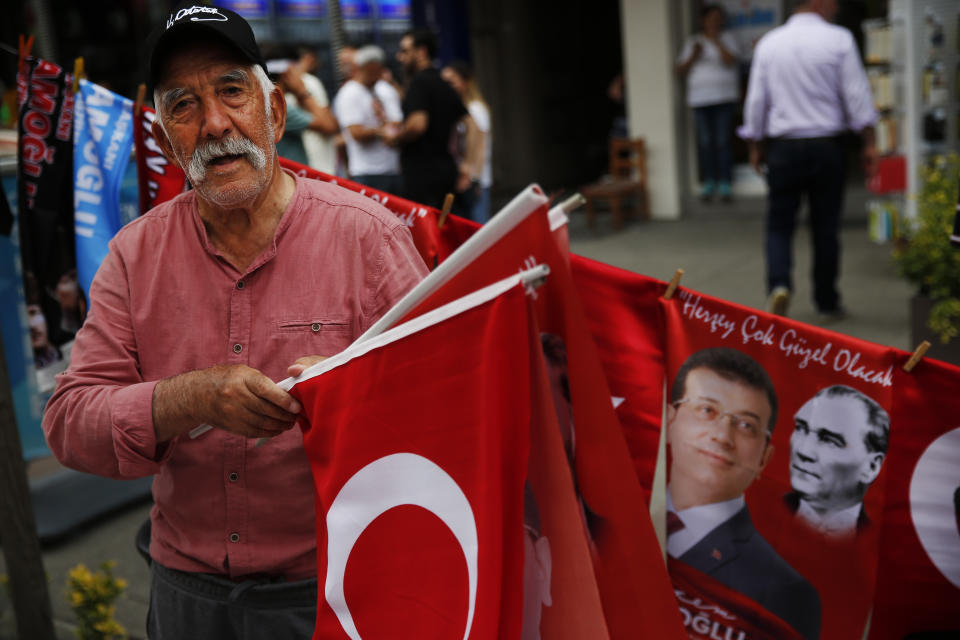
(205, 21)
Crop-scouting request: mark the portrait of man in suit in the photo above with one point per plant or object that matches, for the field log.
(839, 441)
(719, 423)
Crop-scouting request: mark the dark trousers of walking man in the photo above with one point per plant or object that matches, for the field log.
(813, 167)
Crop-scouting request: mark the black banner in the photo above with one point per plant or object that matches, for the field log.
(45, 207)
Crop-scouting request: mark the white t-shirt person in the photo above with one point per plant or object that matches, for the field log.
(709, 80)
(321, 153)
(481, 116)
(354, 104)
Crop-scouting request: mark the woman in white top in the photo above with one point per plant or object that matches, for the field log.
(709, 63)
(477, 153)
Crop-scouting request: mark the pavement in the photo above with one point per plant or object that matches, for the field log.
(718, 245)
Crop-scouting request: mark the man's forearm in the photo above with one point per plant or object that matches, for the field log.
(172, 406)
(413, 127)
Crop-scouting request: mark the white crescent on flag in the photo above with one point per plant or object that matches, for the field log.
(393, 481)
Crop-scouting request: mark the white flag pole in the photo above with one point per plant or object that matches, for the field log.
(525, 203)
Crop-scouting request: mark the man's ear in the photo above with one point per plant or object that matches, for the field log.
(765, 457)
(278, 112)
(671, 414)
(871, 468)
(164, 142)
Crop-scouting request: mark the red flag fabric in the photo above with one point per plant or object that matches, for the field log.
(419, 454)
(624, 318)
(561, 598)
(158, 179)
(918, 589)
(804, 544)
(628, 564)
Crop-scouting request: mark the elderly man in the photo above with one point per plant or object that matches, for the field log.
(199, 306)
(719, 425)
(838, 445)
(807, 88)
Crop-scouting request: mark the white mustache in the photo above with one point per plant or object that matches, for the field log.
(232, 146)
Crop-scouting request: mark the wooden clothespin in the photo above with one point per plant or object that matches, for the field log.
(918, 354)
(77, 73)
(674, 283)
(24, 45)
(445, 211)
(138, 103)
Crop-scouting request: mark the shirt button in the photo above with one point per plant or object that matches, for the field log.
(315, 327)
(234, 537)
(234, 476)
(237, 348)
(240, 284)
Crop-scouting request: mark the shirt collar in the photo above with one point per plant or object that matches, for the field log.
(806, 17)
(288, 215)
(832, 523)
(699, 521)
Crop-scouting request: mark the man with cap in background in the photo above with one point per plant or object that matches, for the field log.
(368, 109)
(199, 306)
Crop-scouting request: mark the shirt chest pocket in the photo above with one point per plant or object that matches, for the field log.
(315, 335)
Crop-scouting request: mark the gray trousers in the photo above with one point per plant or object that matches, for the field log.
(196, 605)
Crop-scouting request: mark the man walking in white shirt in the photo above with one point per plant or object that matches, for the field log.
(807, 87)
(368, 110)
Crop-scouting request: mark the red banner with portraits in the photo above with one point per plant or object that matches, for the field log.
(777, 433)
(918, 589)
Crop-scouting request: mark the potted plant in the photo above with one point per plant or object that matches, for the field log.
(925, 257)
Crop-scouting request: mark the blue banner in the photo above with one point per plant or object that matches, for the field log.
(102, 141)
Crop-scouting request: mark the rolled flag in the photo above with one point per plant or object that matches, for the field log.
(103, 138)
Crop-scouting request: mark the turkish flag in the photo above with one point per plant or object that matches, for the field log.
(418, 444)
(630, 572)
(829, 398)
(918, 586)
(624, 318)
(158, 179)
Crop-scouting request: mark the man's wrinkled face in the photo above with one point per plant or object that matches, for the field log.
(718, 437)
(219, 127)
(828, 454)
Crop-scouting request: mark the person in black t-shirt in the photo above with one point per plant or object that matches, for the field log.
(431, 110)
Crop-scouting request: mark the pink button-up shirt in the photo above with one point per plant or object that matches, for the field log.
(165, 302)
(806, 81)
